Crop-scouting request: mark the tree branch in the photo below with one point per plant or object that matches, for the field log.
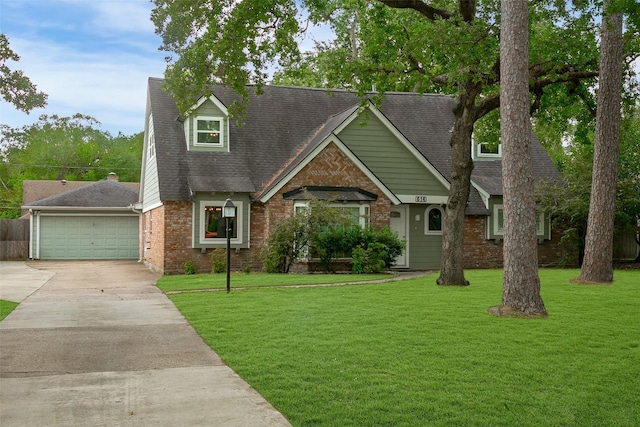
(423, 8)
(467, 9)
(486, 106)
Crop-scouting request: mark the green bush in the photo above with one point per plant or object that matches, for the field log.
(190, 267)
(330, 244)
(370, 260)
(218, 260)
(375, 250)
(328, 233)
(286, 243)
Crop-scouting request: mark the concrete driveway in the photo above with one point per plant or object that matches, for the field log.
(95, 343)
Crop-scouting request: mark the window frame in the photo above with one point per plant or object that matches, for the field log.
(151, 140)
(481, 155)
(364, 209)
(196, 131)
(498, 231)
(203, 204)
(426, 220)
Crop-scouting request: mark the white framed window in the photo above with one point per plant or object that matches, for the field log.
(433, 220)
(498, 221)
(486, 150)
(208, 131)
(359, 213)
(213, 226)
(151, 140)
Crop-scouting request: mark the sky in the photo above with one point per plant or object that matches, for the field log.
(90, 56)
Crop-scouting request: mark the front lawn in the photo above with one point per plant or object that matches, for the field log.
(411, 353)
(244, 280)
(6, 307)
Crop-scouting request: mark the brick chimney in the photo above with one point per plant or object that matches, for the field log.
(112, 177)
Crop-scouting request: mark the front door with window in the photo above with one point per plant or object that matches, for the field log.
(399, 225)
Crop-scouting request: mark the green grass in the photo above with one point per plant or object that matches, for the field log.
(243, 280)
(6, 307)
(411, 353)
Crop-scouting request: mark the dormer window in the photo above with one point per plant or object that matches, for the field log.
(208, 132)
(488, 150)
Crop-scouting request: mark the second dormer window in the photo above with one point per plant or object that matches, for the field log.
(208, 131)
(486, 149)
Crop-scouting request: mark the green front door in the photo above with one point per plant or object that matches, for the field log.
(88, 237)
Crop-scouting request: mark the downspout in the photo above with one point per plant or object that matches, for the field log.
(38, 228)
(30, 233)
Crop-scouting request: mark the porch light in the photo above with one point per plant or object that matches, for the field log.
(228, 211)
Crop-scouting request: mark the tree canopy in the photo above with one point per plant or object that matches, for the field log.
(56, 148)
(15, 87)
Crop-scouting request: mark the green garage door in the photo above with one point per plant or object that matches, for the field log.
(88, 237)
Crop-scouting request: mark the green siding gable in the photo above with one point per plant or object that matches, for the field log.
(381, 151)
(149, 186)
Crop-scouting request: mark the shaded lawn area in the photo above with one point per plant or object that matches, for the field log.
(243, 280)
(6, 307)
(411, 353)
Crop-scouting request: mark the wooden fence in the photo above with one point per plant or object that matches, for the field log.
(14, 239)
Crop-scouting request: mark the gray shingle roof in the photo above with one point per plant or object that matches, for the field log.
(284, 123)
(101, 194)
(488, 173)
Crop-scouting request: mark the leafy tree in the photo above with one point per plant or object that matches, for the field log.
(598, 257)
(56, 148)
(568, 203)
(15, 87)
(293, 238)
(442, 46)
(521, 287)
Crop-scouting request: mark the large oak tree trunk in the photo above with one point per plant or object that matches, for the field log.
(451, 264)
(521, 286)
(598, 255)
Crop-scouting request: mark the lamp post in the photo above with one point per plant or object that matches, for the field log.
(228, 212)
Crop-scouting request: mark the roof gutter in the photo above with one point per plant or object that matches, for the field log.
(77, 208)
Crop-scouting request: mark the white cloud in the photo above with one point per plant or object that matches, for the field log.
(96, 62)
(122, 16)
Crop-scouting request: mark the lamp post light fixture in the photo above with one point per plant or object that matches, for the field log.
(228, 212)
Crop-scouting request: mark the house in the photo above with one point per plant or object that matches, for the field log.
(390, 165)
(82, 219)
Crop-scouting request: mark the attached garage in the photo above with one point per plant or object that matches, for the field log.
(97, 221)
(88, 237)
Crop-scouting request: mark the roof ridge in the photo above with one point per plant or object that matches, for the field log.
(321, 89)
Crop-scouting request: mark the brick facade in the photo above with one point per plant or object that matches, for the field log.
(482, 253)
(153, 237)
(168, 229)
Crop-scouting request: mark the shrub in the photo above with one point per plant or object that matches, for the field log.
(286, 243)
(370, 260)
(326, 232)
(190, 267)
(331, 244)
(218, 260)
(376, 250)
